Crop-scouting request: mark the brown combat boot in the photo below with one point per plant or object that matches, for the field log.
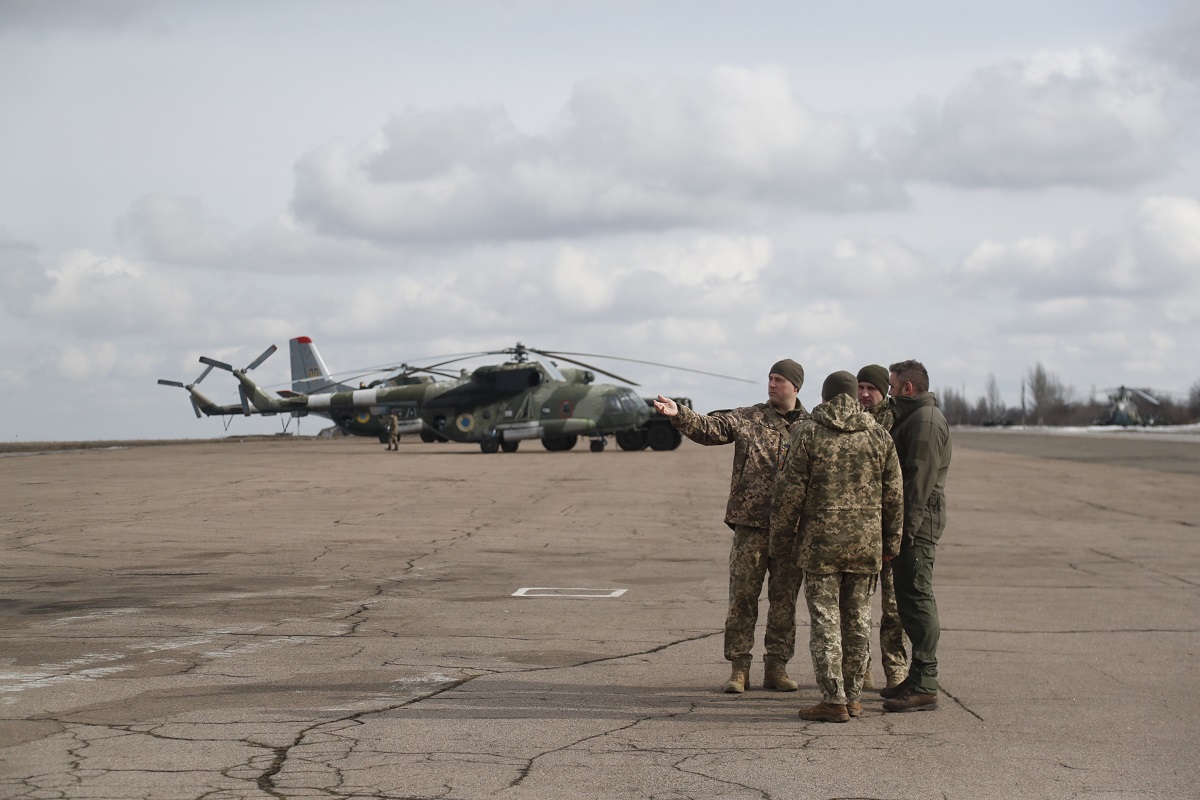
(776, 677)
(738, 677)
(854, 709)
(911, 700)
(894, 691)
(825, 712)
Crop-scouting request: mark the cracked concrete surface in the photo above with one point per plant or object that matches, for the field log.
(300, 618)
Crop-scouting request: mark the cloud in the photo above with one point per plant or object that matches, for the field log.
(88, 291)
(626, 154)
(1074, 118)
(1176, 42)
(1156, 256)
(860, 266)
(40, 16)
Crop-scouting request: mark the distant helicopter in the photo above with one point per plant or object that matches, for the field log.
(498, 405)
(200, 402)
(1124, 409)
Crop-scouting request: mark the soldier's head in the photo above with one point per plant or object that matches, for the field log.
(840, 382)
(872, 385)
(908, 378)
(783, 384)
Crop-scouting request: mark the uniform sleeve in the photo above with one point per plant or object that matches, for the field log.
(923, 462)
(893, 501)
(719, 427)
(788, 494)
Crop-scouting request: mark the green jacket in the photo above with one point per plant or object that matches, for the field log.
(922, 439)
(837, 503)
(759, 434)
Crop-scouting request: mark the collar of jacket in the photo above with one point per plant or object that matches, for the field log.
(903, 406)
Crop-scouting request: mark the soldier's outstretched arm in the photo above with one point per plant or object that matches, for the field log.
(666, 406)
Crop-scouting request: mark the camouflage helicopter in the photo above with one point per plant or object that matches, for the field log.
(498, 405)
(1124, 410)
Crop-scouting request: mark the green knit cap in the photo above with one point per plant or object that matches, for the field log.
(790, 370)
(840, 382)
(877, 376)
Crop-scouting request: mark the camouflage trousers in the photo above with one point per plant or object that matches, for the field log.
(891, 632)
(393, 441)
(839, 605)
(749, 565)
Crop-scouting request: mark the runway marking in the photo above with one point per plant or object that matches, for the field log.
(550, 591)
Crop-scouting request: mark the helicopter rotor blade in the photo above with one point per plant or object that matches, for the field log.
(203, 375)
(650, 363)
(245, 401)
(265, 355)
(212, 362)
(587, 366)
(1149, 397)
(171, 383)
(196, 407)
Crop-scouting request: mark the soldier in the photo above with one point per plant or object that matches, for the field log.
(922, 440)
(872, 394)
(837, 511)
(759, 434)
(393, 432)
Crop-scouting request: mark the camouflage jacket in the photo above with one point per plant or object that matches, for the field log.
(759, 434)
(882, 413)
(838, 500)
(922, 440)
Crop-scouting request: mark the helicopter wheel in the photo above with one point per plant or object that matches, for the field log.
(509, 447)
(597, 445)
(557, 444)
(489, 445)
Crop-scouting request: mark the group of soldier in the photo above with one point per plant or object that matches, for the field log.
(842, 500)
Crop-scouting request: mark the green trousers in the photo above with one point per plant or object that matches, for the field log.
(912, 574)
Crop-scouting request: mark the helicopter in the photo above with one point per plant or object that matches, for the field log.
(497, 406)
(1124, 410)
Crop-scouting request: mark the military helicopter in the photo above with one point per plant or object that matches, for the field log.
(1124, 410)
(497, 405)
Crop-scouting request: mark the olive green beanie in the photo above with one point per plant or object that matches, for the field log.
(877, 376)
(840, 382)
(790, 370)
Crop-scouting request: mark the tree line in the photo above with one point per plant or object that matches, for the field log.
(1046, 400)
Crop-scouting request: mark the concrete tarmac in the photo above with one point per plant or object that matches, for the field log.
(301, 617)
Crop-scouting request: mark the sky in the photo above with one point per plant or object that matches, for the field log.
(982, 186)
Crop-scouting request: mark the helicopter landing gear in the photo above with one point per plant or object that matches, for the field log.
(489, 444)
(509, 447)
(597, 445)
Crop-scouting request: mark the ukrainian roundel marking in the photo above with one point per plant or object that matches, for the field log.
(362, 417)
(465, 422)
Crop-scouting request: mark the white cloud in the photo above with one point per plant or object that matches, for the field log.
(86, 362)
(629, 154)
(1078, 117)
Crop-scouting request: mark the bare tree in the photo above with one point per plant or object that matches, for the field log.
(954, 406)
(1194, 400)
(992, 404)
(1051, 399)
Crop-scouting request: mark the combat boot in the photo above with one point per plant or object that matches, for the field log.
(854, 709)
(911, 700)
(826, 712)
(894, 691)
(776, 677)
(739, 676)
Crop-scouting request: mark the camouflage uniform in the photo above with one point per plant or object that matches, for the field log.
(923, 444)
(891, 633)
(836, 508)
(758, 433)
(393, 432)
